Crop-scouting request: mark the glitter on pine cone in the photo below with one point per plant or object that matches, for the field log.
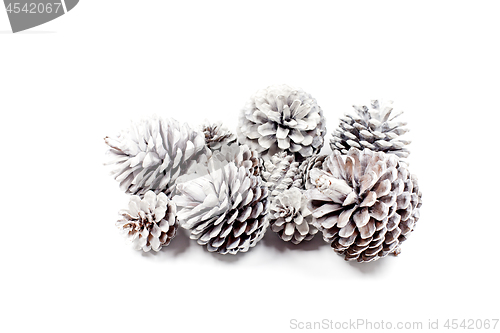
(152, 153)
(225, 209)
(149, 223)
(365, 203)
(373, 128)
(281, 118)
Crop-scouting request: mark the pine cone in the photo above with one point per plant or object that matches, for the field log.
(225, 210)
(217, 135)
(315, 161)
(149, 223)
(290, 218)
(281, 118)
(371, 128)
(365, 203)
(281, 172)
(152, 154)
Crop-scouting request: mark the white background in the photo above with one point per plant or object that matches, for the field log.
(67, 84)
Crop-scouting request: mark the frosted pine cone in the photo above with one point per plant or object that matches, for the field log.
(217, 135)
(153, 153)
(290, 218)
(364, 203)
(149, 223)
(315, 161)
(281, 172)
(224, 210)
(371, 128)
(281, 118)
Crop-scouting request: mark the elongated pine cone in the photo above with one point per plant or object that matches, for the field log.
(281, 172)
(371, 128)
(149, 223)
(225, 209)
(152, 154)
(365, 203)
(217, 135)
(281, 118)
(290, 218)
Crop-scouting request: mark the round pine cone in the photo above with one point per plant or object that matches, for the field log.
(281, 118)
(365, 203)
(152, 154)
(290, 218)
(217, 135)
(371, 128)
(225, 209)
(281, 172)
(149, 223)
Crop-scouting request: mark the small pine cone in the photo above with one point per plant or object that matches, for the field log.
(281, 118)
(371, 128)
(217, 135)
(365, 203)
(225, 209)
(149, 223)
(152, 154)
(281, 172)
(315, 161)
(290, 218)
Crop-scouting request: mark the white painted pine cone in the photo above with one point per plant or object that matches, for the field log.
(225, 209)
(152, 153)
(365, 203)
(282, 118)
(371, 127)
(217, 135)
(149, 223)
(290, 218)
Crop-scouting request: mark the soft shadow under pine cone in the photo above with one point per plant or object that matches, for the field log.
(177, 246)
(271, 239)
(369, 267)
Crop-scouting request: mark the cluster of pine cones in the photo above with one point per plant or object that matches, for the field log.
(228, 189)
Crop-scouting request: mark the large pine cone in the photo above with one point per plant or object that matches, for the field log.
(153, 153)
(290, 218)
(149, 223)
(217, 135)
(371, 128)
(364, 203)
(225, 209)
(281, 118)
